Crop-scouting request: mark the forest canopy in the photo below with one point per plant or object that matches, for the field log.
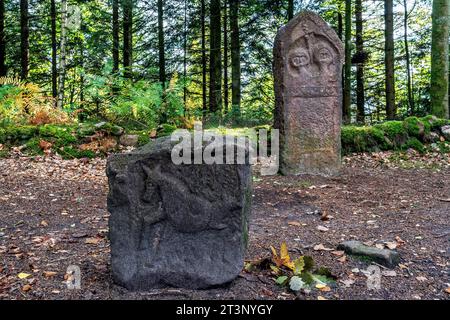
(144, 63)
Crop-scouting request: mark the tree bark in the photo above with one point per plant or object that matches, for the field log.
(225, 57)
(411, 107)
(161, 44)
(54, 50)
(116, 39)
(290, 9)
(127, 37)
(185, 53)
(24, 39)
(391, 109)
(215, 69)
(204, 66)
(360, 94)
(439, 59)
(62, 55)
(2, 40)
(235, 57)
(348, 63)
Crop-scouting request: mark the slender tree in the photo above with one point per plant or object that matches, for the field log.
(360, 93)
(2, 40)
(161, 44)
(215, 69)
(54, 50)
(62, 55)
(115, 34)
(185, 48)
(235, 56)
(24, 39)
(439, 59)
(348, 62)
(411, 107)
(127, 8)
(204, 66)
(290, 9)
(391, 109)
(225, 57)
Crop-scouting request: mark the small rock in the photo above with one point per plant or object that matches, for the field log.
(129, 140)
(446, 132)
(386, 257)
(322, 228)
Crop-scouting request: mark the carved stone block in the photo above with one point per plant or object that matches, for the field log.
(176, 225)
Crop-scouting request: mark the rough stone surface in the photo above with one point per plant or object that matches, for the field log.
(176, 225)
(386, 257)
(129, 140)
(446, 132)
(308, 59)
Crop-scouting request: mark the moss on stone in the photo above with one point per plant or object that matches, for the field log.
(415, 144)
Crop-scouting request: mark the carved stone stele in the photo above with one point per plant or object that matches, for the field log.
(308, 57)
(176, 225)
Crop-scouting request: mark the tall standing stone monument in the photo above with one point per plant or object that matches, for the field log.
(308, 57)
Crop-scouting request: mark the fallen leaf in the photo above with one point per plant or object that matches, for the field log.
(320, 286)
(447, 290)
(26, 288)
(321, 247)
(321, 298)
(44, 223)
(23, 275)
(421, 279)
(322, 228)
(338, 253)
(294, 223)
(399, 241)
(342, 259)
(379, 246)
(389, 273)
(92, 240)
(49, 274)
(45, 145)
(391, 245)
(348, 282)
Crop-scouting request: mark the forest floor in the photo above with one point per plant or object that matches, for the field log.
(53, 214)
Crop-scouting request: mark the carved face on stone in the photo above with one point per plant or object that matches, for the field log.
(323, 54)
(300, 58)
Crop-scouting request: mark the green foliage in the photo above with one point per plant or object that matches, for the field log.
(415, 144)
(361, 139)
(391, 135)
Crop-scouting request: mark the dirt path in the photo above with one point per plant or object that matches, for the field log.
(53, 214)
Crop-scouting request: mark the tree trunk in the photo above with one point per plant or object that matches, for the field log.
(225, 57)
(235, 57)
(115, 30)
(161, 44)
(62, 54)
(340, 25)
(391, 109)
(411, 107)
(439, 59)
(185, 54)
(127, 37)
(348, 62)
(290, 9)
(24, 39)
(360, 94)
(204, 66)
(54, 50)
(215, 69)
(2, 40)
